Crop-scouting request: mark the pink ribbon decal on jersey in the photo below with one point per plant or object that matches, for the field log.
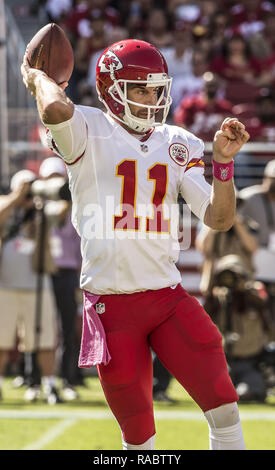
(94, 349)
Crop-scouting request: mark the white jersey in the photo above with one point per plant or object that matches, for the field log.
(124, 194)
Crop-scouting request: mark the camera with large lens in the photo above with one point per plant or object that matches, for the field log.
(230, 272)
(53, 189)
(228, 278)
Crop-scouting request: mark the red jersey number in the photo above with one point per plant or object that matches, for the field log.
(128, 220)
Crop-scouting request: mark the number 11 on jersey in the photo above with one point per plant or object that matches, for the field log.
(128, 220)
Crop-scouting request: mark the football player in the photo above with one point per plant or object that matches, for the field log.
(126, 169)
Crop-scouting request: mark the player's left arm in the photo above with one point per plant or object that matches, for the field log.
(227, 143)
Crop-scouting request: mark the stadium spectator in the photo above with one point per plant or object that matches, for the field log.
(262, 42)
(259, 204)
(94, 40)
(204, 113)
(179, 55)
(268, 31)
(218, 30)
(65, 250)
(77, 22)
(99, 32)
(54, 11)
(192, 84)
(247, 16)
(139, 13)
(186, 11)
(269, 66)
(268, 37)
(208, 8)
(157, 29)
(50, 10)
(22, 233)
(259, 116)
(236, 63)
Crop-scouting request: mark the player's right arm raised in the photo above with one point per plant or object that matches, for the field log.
(53, 104)
(68, 130)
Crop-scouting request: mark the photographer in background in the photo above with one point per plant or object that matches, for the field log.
(65, 250)
(238, 306)
(241, 239)
(259, 203)
(22, 231)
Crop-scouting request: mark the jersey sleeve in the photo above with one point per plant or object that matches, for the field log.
(193, 187)
(68, 139)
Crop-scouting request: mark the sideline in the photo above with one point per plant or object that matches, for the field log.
(70, 415)
(67, 421)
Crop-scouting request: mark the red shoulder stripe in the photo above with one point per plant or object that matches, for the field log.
(76, 160)
(195, 162)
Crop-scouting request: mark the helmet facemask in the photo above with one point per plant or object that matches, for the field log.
(119, 91)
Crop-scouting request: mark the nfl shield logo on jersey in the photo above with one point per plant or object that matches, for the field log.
(100, 308)
(179, 153)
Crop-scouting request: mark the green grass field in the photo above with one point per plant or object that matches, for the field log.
(87, 424)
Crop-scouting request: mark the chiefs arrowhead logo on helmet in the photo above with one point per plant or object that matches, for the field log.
(109, 61)
(133, 61)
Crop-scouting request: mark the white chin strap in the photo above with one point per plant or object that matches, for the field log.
(138, 124)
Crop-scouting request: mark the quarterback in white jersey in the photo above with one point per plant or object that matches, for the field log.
(126, 170)
(117, 173)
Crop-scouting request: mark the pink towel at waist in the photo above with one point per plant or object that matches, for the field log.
(94, 349)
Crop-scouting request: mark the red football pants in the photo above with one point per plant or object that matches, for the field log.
(185, 339)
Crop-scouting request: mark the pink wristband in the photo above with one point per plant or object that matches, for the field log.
(223, 171)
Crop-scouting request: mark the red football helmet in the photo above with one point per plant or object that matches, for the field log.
(133, 61)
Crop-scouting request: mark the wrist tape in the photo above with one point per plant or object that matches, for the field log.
(223, 171)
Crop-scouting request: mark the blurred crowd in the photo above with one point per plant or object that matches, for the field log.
(221, 55)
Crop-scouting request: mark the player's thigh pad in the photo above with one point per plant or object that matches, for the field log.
(195, 324)
(189, 345)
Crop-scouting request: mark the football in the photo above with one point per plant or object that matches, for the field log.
(50, 51)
